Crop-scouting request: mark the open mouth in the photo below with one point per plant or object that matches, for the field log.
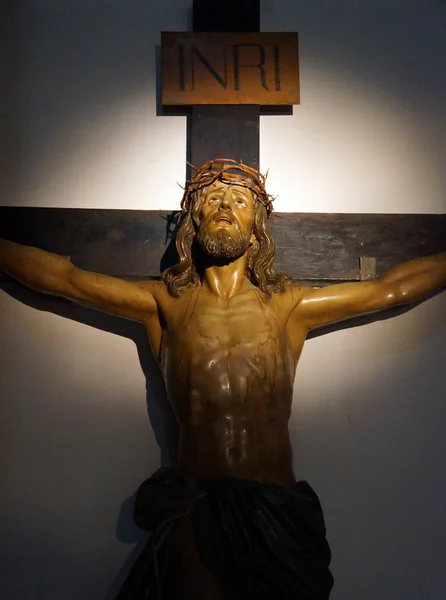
(223, 219)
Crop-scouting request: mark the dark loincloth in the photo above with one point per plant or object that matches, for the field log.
(261, 541)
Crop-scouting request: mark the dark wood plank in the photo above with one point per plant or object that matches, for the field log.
(311, 247)
(224, 131)
(231, 15)
(324, 247)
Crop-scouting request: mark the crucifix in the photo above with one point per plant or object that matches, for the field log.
(228, 344)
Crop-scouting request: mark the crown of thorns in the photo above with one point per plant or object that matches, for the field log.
(230, 172)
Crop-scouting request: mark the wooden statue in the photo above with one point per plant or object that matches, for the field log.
(227, 331)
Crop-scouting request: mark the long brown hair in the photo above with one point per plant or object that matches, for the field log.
(260, 268)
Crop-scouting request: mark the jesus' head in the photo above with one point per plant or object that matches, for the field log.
(226, 221)
(226, 208)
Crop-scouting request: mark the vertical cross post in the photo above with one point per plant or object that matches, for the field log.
(225, 131)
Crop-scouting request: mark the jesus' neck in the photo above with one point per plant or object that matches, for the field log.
(226, 278)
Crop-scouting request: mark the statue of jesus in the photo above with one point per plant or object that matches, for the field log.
(230, 521)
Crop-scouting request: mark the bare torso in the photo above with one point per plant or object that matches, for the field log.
(229, 370)
(227, 351)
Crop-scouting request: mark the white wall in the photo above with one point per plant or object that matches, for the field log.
(369, 418)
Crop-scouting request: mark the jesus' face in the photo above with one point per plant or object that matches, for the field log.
(226, 221)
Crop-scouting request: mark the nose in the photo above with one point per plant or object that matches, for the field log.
(225, 203)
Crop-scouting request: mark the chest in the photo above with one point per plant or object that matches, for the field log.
(244, 321)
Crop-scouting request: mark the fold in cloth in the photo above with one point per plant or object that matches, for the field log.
(260, 541)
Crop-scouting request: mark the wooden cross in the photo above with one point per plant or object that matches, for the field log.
(314, 248)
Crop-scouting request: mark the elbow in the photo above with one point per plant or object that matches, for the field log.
(395, 294)
(404, 293)
(58, 279)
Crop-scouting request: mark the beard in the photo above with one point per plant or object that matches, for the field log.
(222, 244)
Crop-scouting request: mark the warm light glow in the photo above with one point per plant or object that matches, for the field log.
(349, 147)
(353, 148)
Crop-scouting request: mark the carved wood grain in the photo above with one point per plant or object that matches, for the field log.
(316, 248)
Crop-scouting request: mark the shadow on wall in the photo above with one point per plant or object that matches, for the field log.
(159, 412)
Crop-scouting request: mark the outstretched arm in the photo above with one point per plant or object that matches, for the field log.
(408, 282)
(52, 274)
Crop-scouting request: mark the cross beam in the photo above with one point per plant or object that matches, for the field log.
(311, 247)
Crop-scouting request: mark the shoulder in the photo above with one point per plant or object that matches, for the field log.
(155, 288)
(159, 290)
(292, 296)
(285, 304)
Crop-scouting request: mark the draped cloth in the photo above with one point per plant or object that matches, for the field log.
(261, 541)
